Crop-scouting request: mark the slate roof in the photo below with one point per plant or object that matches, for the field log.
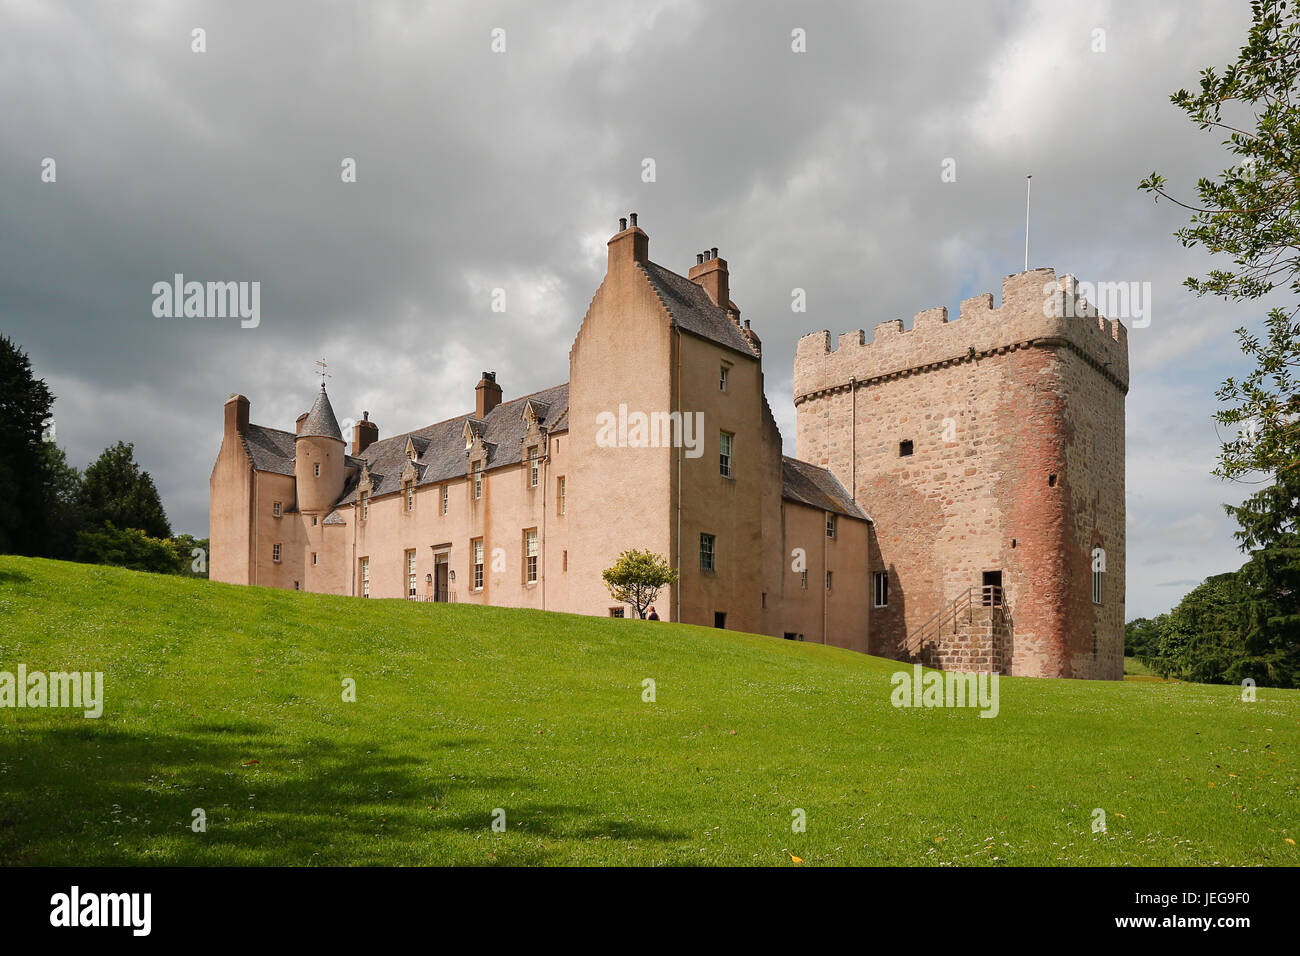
(270, 449)
(320, 421)
(693, 310)
(444, 456)
(811, 485)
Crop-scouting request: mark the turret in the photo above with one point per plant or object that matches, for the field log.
(320, 456)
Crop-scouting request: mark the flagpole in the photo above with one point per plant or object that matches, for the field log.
(1028, 183)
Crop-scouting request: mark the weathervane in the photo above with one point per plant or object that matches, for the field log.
(321, 371)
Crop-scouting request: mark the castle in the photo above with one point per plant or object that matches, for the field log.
(958, 498)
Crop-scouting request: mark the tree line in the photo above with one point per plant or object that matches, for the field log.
(111, 513)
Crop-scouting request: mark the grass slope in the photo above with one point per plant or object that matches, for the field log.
(461, 710)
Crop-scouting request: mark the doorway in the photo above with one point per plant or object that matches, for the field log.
(991, 593)
(440, 567)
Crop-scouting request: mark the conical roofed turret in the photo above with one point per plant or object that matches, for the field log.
(320, 421)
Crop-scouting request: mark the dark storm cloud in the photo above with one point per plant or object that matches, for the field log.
(478, 170)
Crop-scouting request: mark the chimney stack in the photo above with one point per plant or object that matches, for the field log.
(631, 244)
(711, 274)
(487, 395)
(364, 434)
(298, 428)
(236, 415)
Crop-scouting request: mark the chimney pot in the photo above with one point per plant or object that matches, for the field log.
(699, 257)
(622, 223)
(713, 253)
(633, 215)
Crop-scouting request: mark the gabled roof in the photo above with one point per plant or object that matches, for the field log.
(693, 310)
(502, 430)
(320, 421)
(810, 485)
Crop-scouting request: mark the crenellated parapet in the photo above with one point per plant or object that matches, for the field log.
(1038, 310)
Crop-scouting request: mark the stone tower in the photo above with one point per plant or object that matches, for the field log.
(989, 451)
(320, 459)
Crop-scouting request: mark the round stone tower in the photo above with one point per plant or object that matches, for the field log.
(319, 459)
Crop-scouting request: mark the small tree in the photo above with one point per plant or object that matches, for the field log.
(637, 577)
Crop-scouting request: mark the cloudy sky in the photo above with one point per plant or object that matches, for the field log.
(479, 170)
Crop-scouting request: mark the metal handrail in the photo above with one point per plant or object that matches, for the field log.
(991, 595)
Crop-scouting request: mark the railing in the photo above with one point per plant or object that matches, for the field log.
(447, 598)
(990, 596)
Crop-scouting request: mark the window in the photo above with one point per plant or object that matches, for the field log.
(275, 553)
(559, 495)
(365, 505)
(565, 560)
(828, 580)
(880, 583)
(317, 469)
(904, 448)
(410, 495)
(724, 454)
(720, 619)
(706, 552)
(803, 580)
(530, 556)
(764, 600)
(616, 612)
(1051, 481)
(365, 577)
(410, 573)
(313, 559)
(557, 446)
(1096, 587)
(297, 586)
(722, 378)
(830, 525)
(478, 479)
(314, 519)
(276, 510)
(532, 467)
(444, 499)
(477, 547)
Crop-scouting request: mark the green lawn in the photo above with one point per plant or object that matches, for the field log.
(230, 699)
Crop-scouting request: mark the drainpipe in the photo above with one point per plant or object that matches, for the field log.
(541, 544)
(677, 340)
(826, 592)
(252, 477)
(853, 440)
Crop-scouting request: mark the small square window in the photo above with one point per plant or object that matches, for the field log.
(904, 448)
(276, 510)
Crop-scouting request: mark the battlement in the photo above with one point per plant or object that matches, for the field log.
(1037, 309)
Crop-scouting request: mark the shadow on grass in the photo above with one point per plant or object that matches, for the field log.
(13, 577)
(84, 793)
